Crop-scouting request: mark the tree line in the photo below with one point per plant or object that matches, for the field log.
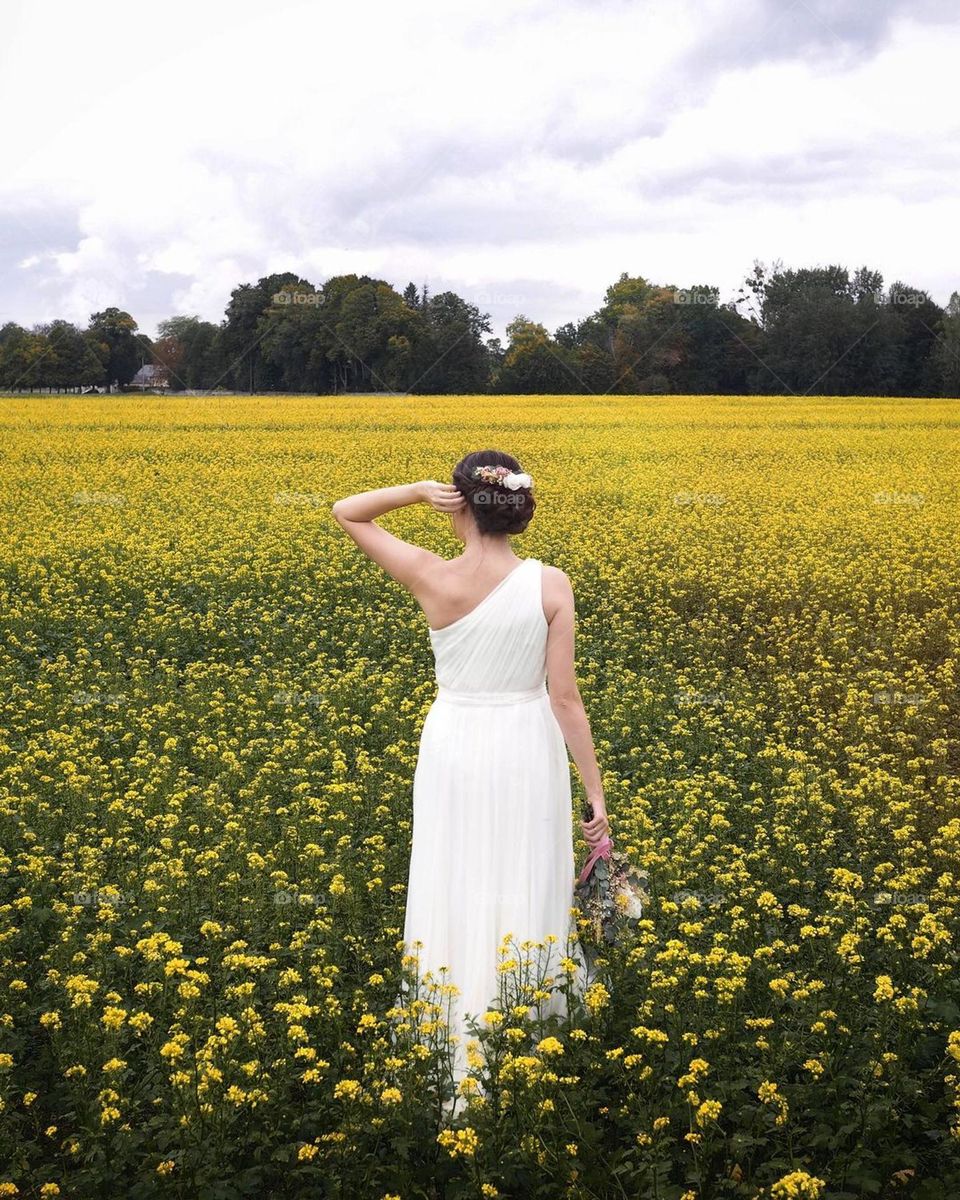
(809, 331)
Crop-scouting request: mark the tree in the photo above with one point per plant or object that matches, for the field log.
(823, 333)
(21, 355)
(169, 354)
(368, 315)
(120, 350)
(946, 357)
(534, 362)
(915, 330)
(452, 357)
(73, 361)
(244, 328)
(198, 365)
(753, 295)
(566, 336)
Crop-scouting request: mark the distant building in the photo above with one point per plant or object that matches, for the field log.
(149, 376)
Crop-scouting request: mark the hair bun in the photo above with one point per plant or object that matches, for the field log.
(499, 493)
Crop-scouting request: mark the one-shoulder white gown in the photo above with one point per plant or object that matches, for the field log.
(492, 850)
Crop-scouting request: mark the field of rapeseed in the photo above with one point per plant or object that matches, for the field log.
(211, 705)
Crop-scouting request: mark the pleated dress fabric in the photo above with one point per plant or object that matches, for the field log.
(492, 851)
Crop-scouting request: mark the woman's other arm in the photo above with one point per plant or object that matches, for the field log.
(568, 706)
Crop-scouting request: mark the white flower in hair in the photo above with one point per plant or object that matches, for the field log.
(517, 479)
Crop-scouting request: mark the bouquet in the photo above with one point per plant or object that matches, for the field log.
(610, 891)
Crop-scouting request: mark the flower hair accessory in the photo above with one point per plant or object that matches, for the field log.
(504, 476)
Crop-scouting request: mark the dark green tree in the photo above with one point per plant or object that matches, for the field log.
(73, 361)
(120, 350)
(946, 355)
(199, 365)
(451, 357)
(239, 343)
(534, 362)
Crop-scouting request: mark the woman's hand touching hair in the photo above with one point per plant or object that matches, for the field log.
(444, 497)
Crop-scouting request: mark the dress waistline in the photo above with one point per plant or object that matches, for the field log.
(519, 697)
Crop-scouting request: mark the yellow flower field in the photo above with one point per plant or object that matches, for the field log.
(211, 705)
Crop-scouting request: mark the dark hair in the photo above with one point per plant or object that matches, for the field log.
(496, 509)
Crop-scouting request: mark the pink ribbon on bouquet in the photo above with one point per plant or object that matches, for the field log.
(601, 850)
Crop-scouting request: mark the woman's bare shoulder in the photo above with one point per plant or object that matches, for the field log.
(557, 591)
(556, 577)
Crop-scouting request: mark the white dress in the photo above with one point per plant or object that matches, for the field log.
(492, 850)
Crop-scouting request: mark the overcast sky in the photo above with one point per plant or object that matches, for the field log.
(522, 153)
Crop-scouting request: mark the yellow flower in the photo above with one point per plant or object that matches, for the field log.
(460, 1142)
(884, 989)
(113, 1018)
(798, 1185)
(709, 1110)
(596, 997)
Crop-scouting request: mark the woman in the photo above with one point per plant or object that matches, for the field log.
(492, 856)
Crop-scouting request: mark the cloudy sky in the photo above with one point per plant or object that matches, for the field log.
(520, 152)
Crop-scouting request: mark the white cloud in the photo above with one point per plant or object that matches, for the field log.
(521, 149)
